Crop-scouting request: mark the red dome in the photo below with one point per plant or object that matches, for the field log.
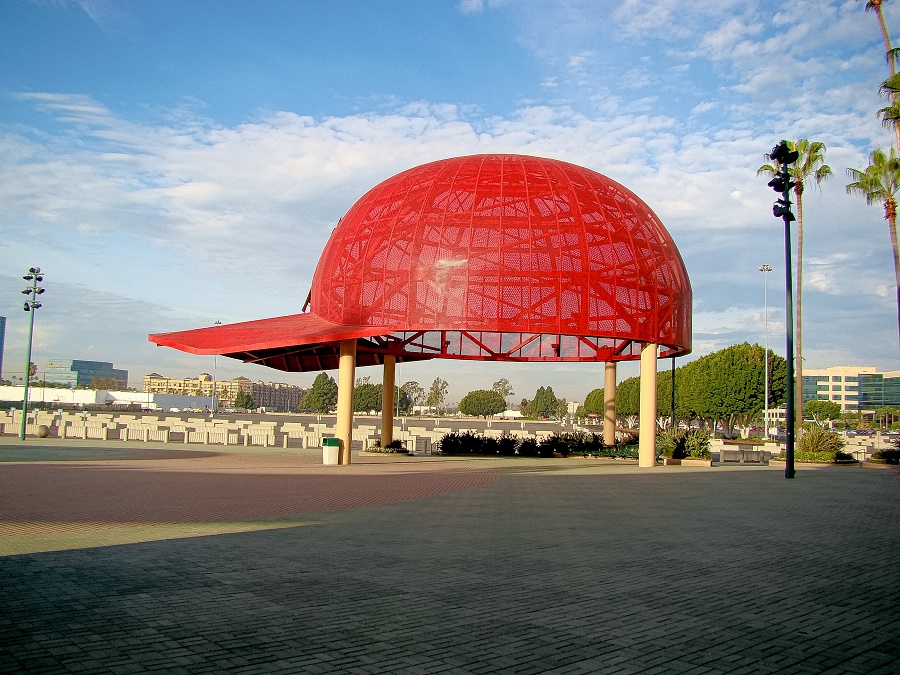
(512, 246)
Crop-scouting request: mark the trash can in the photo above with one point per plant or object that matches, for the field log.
(331, 450)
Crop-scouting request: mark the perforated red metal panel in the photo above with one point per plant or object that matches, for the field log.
(519, 248)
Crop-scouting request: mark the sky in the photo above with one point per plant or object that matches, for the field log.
(171, 164)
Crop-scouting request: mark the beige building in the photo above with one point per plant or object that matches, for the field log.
(275, 396)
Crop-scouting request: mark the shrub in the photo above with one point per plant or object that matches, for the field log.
(553, 445)
(819, 440)
(456, 443)
(671, 444)
(506, 446)
(528, 447)
(395, 446)
(887, 456)
(696, 444)
(821, 457)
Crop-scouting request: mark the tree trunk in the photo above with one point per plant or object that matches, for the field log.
(890, 59)
(890, 208)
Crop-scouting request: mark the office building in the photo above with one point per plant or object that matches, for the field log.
(85, 374)
(854, 388)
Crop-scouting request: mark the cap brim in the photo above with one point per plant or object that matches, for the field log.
(295, 343)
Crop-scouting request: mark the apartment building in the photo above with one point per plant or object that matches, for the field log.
(274, 396)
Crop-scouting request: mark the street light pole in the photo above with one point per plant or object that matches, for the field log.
(31, 305)
(782, 183)
(215, 373)
(765, 269)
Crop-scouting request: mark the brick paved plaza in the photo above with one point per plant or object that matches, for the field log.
(262, 560)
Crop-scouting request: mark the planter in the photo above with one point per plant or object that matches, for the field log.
(668, 461)
(696, 461)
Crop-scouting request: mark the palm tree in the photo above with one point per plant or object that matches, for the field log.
(879, 183)
(891, 114)
(810, 164)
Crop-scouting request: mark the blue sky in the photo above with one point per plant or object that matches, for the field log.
(170, 164)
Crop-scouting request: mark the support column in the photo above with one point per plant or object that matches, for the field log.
(387, 401)
(346, 382)
(609, 404)
(647, 427)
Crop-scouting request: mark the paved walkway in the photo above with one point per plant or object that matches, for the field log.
(262, 560)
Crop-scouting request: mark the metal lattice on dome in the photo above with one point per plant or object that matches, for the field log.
(500, 257)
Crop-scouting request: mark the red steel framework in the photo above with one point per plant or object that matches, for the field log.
(491, 257)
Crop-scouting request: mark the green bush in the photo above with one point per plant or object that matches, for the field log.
(821, 457)
(395, 446)
(565, 444)
(887, 456)
(671, 444)
(506, 446)
(818, 440)
(528, 447)
(696, 444)
(572, 443)
(456, 443)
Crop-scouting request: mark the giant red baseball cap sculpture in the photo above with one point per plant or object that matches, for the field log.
(491, 257)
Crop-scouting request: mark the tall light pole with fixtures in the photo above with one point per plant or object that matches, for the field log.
(31, 305)
(783, 184)
(215, 394)
(765, 269)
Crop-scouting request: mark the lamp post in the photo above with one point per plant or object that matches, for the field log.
(765, 269)
(215, 368)
(31, 305)
(782, 183)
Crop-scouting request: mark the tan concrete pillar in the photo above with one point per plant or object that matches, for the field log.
(609, 404)
(387, 401)
(647, 428)
(346, 382)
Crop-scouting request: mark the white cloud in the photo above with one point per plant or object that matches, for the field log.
(478, 6)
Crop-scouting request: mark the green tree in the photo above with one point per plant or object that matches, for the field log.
(878, 183)
(482, 403)
(504, 388)
(822, 411)
(243, 400)
(413, 392)
(728, 386)
(367, 397)
(106, 384)
(562, 408)
(886, 415)
(594, 403)
(890, 116)
(437, 394)
(545, 403)
(628, 397)
(525, 407)
(809, 165)
(322, 397)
